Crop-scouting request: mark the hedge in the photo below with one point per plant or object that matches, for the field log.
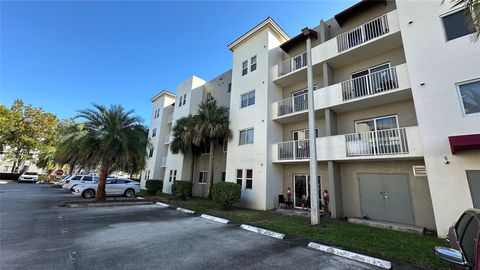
(10, 176)
(153, 186)
(226, 193)
(182, 189)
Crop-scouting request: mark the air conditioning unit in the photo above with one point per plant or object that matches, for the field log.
(419, 170)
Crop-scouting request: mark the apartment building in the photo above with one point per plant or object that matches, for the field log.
(396, 101)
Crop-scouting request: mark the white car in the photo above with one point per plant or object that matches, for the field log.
(113, 186)
(74, 180)
(28, 177)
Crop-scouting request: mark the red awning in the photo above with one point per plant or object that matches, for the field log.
(464, 142)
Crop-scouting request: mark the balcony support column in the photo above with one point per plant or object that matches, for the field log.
(327, 75)
(335, 190)
(330, 122)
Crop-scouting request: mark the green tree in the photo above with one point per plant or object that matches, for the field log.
(212, 126)
(110, 139)
(25, 130)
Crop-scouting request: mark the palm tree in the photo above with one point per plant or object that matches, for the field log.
(111, 139)
(211, 127)
(472, 14)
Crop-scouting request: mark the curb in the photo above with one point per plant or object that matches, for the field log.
(188, 211)
(163, 205)
(351, 255)
(216, 219)
(263, 231)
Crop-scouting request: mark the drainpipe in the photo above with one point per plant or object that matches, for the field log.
(315, 214)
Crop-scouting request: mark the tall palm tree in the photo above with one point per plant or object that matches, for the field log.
(212, 126)
(111, 139)
(472, 14)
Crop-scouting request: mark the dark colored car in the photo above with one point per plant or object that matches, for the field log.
(463, 249)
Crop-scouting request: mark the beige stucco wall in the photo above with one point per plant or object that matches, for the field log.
(419, 189)
(288, 128)
(405, 111)
(303, 168)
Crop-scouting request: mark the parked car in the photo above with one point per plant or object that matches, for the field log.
(78, 179)
(28, 177)
(463, 243)
(113, 186)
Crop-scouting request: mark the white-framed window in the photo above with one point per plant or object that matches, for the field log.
(184, 99)
(225, 146)
(202, 177)
(244, 68)
(248, 179)
(224, 176)
(154, 132)
(247, 99)
(172, 176)
(180, 103)
(246, 136)
(455, 25)
(150, 152)
(205, 149)
(239, 177)
(253, 63)
(229, 89)
(469, 93)
(375, 124)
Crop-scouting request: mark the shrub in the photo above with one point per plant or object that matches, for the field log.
(182, 189)
(153, 186)
(10, 176)
(226, 193)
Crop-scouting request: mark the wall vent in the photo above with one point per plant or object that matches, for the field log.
(419, 170)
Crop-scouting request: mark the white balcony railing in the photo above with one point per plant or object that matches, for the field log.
(370, 84)
(292, 105)
(297, 62)
(363, 33)
(163, 162)
(167, 139)
(373, 143)
(294, 150)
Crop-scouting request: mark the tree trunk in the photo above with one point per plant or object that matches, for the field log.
(13, 167)
(194, 157)
(72, 167)
(210, 168)
(101, 195)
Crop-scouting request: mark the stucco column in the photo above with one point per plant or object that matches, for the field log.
(335, 190)
(330, 122)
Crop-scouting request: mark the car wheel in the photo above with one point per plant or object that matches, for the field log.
(129, 193)
(88, 194)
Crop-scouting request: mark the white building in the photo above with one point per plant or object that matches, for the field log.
(397, 114)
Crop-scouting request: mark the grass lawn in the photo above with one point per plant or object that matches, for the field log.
(388, 244)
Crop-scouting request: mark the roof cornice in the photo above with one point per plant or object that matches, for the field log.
(163, 92)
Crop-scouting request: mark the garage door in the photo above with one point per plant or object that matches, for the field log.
(474, 184)
(386, 197)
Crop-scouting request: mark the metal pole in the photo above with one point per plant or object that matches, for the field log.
(315, 214)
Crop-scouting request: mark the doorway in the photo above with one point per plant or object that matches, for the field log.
(301, 190)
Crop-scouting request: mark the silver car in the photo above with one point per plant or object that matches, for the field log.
(113, 186)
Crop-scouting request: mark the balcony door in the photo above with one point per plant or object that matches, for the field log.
(301, 190)
(371, 80)
(379, 135)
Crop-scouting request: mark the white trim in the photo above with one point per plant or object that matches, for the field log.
(163, 92)
(246, 94)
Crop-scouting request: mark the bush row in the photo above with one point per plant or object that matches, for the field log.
(182, 189)
(226, 193)
(153, 186)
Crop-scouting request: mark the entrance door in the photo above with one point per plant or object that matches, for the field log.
(473, 178)
(301, 191)
(386, 197)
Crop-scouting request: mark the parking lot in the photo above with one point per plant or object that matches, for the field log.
(38, 234)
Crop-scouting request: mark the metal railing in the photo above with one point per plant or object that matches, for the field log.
(291, 105)
(380, 142)
(163, 162)
(363, 33)
(167, 139)
(294, 150)
(370, 84)
(297, 62)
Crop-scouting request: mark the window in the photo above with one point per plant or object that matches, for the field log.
(456, 25)
(253, 63)
(470, 97)
(229, 89)
(184, 99)
(172, 176)
(375, 124)
(210, 97)
(302, 134)
(150, 152)
(225, 146)
(239, 177)
(244, 68)
(249, 179)
(246, 136)
(180, 103)
(224, 176)
(87, 178)
(78, 177)
(205, 149)
(247, 99)
(154, 132)
(202, 178)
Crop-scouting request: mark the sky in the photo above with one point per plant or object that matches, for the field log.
(65, 55)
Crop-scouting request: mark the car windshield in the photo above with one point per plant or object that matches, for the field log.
(30, 173)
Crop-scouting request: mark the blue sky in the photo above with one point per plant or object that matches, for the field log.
(63, 56)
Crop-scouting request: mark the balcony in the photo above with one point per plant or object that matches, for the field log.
(363, 33)
(290, 65)
(167, 139)
(293, 105)
(391, 144)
